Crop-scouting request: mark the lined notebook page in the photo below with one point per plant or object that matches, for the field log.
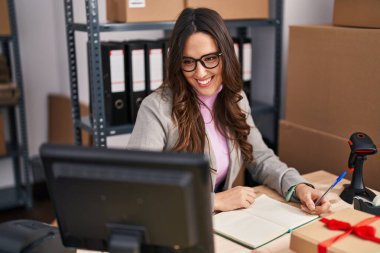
(265, 220)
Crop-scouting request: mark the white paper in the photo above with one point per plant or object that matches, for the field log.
(236, 48)
(156, 68)
(138, 70)
(117, 71)
(247, 61)
(136, 3)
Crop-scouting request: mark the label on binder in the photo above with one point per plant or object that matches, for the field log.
(236, 48)
(138, 70)
(136, 3)
(117, 71)
(156, 68)
(247, 61)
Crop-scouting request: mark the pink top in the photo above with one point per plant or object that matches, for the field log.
(218, 141)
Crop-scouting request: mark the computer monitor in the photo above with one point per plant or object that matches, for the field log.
(118, 200)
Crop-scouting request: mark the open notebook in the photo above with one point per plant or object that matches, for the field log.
(264, 221)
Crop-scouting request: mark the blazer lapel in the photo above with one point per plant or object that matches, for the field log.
(235, 173)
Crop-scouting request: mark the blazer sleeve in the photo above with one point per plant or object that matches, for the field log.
(150, 130)
(266, 167)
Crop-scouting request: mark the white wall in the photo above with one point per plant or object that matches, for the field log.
(42, 42)
(42, 38)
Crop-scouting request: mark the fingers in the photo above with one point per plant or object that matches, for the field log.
(308, 197)
(247, 195)
(308, 205)
(235, 198)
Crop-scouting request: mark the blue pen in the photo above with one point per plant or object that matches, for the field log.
(332, 186)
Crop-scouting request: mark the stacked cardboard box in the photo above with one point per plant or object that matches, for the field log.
(237, 9)
(9, 94)
(4, 70)
(168, 10)
(357, 13)
(143, 11)
(332, 91)
(5, 29)
(61, 130)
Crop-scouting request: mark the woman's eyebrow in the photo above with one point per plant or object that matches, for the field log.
(199, 57)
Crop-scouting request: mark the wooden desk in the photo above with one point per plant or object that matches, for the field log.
(322, 180)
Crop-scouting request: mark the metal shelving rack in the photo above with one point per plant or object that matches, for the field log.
(17, 147)
(95, 124)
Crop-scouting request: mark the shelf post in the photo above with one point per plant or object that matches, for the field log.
(75, 107)
(95, 74)
(23, 146)
(278, 70)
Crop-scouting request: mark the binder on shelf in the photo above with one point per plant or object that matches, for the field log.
(237, 48)
(247, 65)
(154, 59)
(115, 92)
(243, 47)
(135, 76)
(165, 46)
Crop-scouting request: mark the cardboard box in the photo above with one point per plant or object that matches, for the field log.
(3, 147)
(237, 9)
(333, 79)
(306, 238)
(357, 13)
(5, 75)
(144, 10)
(61, 130)
(9, 94)
(308, 150)
(5, 28)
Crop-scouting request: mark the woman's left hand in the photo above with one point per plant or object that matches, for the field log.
(308, 196)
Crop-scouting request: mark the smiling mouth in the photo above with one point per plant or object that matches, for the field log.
(204, 83)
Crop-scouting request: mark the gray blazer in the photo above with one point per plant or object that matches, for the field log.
(154, 130)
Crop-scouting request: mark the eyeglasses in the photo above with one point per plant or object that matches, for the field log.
(209, 61)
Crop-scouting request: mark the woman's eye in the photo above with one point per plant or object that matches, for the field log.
(187, 62)
(210, 58)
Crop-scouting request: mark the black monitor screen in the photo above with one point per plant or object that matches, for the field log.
(109, 200)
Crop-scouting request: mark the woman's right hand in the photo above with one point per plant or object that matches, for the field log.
(235, 198)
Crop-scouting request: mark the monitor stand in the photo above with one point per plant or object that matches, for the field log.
(125, 238)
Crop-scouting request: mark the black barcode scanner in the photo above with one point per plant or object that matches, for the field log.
(361, 146)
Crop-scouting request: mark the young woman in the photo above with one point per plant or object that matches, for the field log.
(201, 108)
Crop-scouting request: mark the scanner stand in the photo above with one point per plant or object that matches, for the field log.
(126, 238)
(357, 188)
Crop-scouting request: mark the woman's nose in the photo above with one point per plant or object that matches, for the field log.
(200, 71)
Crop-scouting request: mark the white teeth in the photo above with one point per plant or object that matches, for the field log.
(204, 82)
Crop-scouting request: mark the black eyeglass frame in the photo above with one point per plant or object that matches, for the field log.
(218, 54)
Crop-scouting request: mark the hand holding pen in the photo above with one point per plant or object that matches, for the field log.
(341, 176)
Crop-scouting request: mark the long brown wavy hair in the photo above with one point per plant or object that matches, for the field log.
(228, 117)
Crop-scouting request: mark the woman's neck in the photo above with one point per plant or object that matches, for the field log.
(209, 100)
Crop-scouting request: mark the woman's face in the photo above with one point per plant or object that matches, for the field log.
(204, 80)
